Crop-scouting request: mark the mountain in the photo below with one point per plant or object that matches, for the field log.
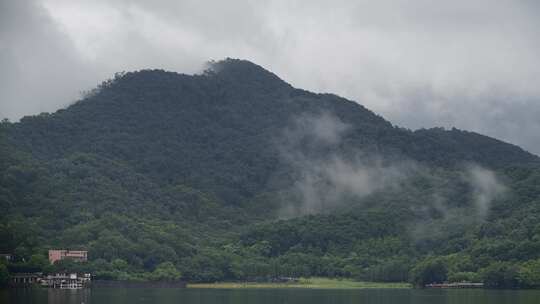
(231, 172)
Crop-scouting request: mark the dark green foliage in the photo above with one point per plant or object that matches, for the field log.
(393, 270)
(165, 271)
(529, 274)
(159, 174)
(501, 275)
(208, 265)
(431, 270)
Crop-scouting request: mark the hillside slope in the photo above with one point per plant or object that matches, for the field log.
(219, 129)
(198, 167)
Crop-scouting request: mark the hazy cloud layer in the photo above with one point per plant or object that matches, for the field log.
(469, 64)
(325, 179)
(486, 188)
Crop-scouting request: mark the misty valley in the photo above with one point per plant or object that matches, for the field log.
(233, 176)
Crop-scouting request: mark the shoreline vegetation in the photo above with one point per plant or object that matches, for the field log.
(307, 283)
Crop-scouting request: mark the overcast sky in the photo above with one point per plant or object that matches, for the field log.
(471, 64)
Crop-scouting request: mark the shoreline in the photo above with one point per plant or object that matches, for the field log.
(303, 283)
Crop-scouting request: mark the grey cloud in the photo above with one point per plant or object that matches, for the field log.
(320, 129)
(325, 184)
(325, 181)
(486, 188)
(40, 70)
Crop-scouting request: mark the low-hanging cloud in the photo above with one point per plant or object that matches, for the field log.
(327, 179)
(440, 216)
(329, 176)
(469, 64)
(486, 188)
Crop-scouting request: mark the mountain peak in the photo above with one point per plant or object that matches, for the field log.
(244, 71)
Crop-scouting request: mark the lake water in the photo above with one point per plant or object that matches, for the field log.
(267, 296)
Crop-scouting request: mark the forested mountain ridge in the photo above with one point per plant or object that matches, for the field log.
(194, 167)
(164, 123)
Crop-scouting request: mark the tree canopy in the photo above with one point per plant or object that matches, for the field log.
(234, 174)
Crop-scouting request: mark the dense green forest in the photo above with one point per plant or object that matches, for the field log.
(234, 174)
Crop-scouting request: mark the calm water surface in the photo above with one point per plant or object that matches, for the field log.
(267, 296)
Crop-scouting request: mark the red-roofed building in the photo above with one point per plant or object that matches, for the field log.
(77, 255)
